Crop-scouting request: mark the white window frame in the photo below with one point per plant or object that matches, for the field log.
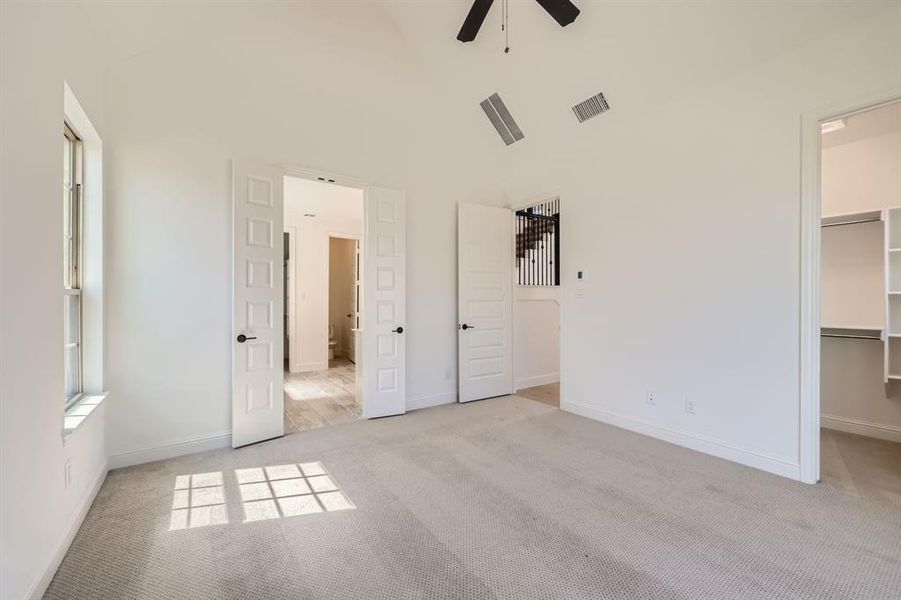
(72, 261)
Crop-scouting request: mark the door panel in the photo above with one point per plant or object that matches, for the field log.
(384, 303)
(257, 377)
(485, 304)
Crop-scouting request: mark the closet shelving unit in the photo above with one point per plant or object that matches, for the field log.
(892, 218)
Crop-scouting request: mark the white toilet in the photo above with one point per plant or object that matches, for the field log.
(332, 342)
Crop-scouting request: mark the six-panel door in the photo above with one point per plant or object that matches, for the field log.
(384, 302)
(257, 384)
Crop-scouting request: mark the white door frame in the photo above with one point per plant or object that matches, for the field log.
(291, 230)
(811, 221)
(328, 263)
(561, 287)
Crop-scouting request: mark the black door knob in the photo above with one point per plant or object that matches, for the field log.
(398, 330)
(465, 327)
(243, 338)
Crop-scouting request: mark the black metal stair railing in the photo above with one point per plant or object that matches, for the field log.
(537, 231)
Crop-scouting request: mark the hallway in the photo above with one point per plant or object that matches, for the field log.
(319, 398)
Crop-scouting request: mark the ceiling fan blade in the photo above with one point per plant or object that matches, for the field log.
(474, 20)
(563, 11)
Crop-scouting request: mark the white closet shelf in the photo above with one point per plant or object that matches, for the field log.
(894, 377)
(894, 249)
(852, 218)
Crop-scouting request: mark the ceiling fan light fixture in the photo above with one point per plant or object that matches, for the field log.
(562, 11)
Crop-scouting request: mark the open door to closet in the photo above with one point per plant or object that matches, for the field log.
(860, 281)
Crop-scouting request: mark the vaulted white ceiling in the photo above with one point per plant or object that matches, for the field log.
(638, 53)
(394, 68)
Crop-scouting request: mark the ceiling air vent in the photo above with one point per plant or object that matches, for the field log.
(500, 117)
(591, 108)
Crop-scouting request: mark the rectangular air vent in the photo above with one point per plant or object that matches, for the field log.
(591, 108)
(500, 117)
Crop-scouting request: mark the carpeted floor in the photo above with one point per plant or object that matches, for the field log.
(504, 498)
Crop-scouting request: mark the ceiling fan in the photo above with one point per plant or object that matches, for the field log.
(563, 11)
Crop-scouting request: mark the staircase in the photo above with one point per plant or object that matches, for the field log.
(538, 244)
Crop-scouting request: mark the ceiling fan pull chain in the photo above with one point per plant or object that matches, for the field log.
(506, 27)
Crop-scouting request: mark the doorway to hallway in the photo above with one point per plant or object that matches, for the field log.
(323, 229)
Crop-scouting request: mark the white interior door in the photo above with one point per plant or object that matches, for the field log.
(384, 303)
(257, 356)
(485, 303)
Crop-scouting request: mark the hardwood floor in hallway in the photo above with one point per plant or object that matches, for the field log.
(318, 398)
(546, 394)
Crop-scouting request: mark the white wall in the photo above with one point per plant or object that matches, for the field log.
(858, 176)
(682, 201)
(309, 343)
(853, 395)
(41, 46)
(852, 276)
(862, 175)
(536, 335)
(342, 256)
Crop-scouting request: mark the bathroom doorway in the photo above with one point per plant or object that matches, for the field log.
(323, 304)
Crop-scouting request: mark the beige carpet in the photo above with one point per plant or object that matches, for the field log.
(505, 498)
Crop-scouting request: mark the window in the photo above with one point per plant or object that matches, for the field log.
(72, 254)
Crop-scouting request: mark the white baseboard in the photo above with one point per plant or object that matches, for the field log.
(692, 441)
(527, 382)
(201, 443)
(39, 587)
(874, 430)
(429, 401)
(311, 366)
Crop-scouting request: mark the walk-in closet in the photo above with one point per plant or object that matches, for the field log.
(860, 386)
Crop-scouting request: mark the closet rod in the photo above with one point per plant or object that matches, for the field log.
(850, 222)
(855, 333)
(851, 337)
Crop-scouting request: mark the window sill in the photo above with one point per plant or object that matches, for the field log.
(78, 413)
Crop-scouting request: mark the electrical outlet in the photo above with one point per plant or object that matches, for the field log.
(652, 399)
(67, 473)
(689, 406)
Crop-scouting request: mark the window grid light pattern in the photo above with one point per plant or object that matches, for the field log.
(198, 501)
(288, 491)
